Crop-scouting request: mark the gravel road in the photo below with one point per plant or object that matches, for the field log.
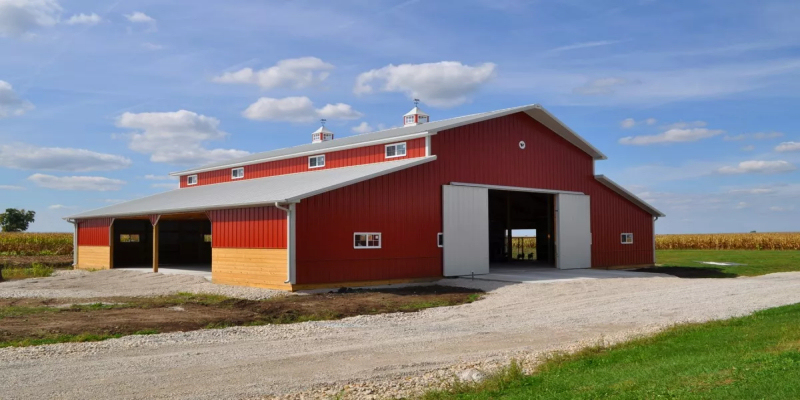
(383, 355)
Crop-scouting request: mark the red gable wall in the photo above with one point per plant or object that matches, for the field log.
(333, 159)
(406, 206)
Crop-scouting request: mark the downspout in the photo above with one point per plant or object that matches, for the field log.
(291, 219)
(74, 241)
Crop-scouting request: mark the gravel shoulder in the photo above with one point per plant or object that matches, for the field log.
(389, 354)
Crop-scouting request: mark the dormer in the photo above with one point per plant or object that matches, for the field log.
(415, 116)
(322, 134)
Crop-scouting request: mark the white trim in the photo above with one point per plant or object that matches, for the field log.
(622, 238)
(291, 249)
(318, 164)
(514, 188)
(440, 239)
(427, 146)
(191, 176)
(405, 150)
(306, 153)
(237, 169)
(380, 240)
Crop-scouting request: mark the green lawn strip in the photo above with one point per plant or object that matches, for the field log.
(758, 262)
(84, 337)
(757, 356)
(34, 271)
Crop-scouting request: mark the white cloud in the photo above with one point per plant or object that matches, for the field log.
(61, 207)
(781, 209)
(160, 177)
(297, 109)
(601, 86)
(176, 137)
(627, 123)
(749, 147)
(152, 46)
(584, 45)
(20, 17)
(11, 187)
(24, 156)
(755, 136)
(675, 133)
(442, 84)
(10, 103)
(92, 183)
(140, 18)
(166, 185)
(787, 147)
(84, 19)
(754, 191)
(651, 121)
(758, 167)
(363, 128)
(742, 205)
(296, 73)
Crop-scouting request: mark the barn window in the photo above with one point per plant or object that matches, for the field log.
(626, 238)
(316, 161)
(395, 150)
(207, 238)
(440, 239)
(129, 238)
(410, 119)
(191, 180)
(237, 173)
(367, 240)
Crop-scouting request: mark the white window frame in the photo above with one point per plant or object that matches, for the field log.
(318, 164)
(191, 180)
(624, 236)
(241, 175)
(440, 239)
(422, 119)
(409, 119)
(380, 240)
(386, 149)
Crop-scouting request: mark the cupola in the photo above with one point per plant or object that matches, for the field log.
(415, 116)
(322, 134)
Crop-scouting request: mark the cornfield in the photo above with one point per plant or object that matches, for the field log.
(730, 241)
(523, 245)
(35, 244)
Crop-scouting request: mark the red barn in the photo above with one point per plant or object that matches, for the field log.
(426, 200)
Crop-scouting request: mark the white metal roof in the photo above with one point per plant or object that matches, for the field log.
(628, 195)
(416, 111)
(536, 112)
(289, 188)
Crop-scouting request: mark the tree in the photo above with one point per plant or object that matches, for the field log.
(14, 220)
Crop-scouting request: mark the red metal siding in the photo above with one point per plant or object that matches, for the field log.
(406, 206)
(257, 227)
(93, 232)
(336, 159)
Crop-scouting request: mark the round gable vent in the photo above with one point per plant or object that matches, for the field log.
(522, 144)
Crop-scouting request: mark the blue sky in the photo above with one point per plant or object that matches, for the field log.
(694, 102)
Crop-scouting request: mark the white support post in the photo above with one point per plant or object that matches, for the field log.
(291, 239)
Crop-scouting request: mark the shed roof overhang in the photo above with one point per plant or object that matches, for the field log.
(628, 195)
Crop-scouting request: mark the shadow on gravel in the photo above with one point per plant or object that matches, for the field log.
(690, 272)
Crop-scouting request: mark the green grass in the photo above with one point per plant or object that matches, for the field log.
(759, 262)
(84, 337)
(753, 357)
(34, 271)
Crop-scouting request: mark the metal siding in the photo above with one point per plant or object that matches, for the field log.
(337, 159)
(406, 206)
(94, 232)
(573, 231)
(466, 230)
(256, 227)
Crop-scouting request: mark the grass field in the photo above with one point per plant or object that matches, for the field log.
(754, 357)
(686, 263)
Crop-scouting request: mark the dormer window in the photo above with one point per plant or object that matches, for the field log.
(316, 161)
(237, 173)
(395, 150)
(191, 180)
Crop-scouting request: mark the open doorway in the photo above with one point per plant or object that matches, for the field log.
(521, 228)
(184, 243)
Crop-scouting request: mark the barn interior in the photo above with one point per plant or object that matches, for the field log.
(522, 214)
(183, 242)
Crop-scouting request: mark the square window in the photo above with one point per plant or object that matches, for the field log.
(440, 239)
(316, 161)
(124, 238)
(191, 180)
(395, 150)
(367, 240)
(237, 173)
(626, 238)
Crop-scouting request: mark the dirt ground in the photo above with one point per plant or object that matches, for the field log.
(32, 319)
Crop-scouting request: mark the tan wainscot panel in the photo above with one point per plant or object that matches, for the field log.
(265, 268)
(94, 257)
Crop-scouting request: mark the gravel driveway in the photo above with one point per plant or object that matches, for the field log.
(395, 353)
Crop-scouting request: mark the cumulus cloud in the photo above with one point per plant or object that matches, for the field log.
(675, 133)
(584, 45)
(787, 147)
(650, 121)
(781, 209)
(442, 84)
(88, 183)
(758, 167)
(601, 86)
(139, 17)
(84, 19)
(296, 73)
(152, 46)
(297, 109)
(176, 137)
(754, 136)
(160, 177)
(11, 187)
(628, 123)
(166, 185)
(754, 191)
(21, 17)
(749, 147)
(61, 207)
(363, 128)
(742, 205)
(10, 103)
(24, 156)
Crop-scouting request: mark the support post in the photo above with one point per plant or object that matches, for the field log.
(509, 239)
(155, 246)
(111, 244)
